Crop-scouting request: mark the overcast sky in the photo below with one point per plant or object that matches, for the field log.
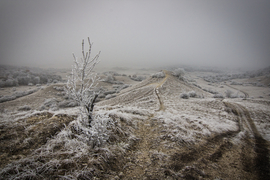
(141, 33)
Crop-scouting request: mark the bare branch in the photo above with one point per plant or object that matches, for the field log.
(83, 80)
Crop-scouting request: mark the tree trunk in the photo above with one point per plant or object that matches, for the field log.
(90, 109)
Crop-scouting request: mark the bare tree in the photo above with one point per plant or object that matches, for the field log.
(82, 81)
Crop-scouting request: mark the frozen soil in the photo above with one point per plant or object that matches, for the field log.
(146, 132)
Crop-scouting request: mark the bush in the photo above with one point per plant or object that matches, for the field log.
(192, 94)
(16, 95)
(24, 108)
(180, 72)
(236, 83)
(14, 76)
(210, 91)
(68, 103)
(158, 75)
(228, 93)
(7, 98)
(51, 104)
(9, 83)
(137, 78)
(184, 96)
(109, 78)
(59, 88)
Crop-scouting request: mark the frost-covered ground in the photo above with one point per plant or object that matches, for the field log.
(144, 131)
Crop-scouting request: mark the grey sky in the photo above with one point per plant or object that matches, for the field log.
(137, 33)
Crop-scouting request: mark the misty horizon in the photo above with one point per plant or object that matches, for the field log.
(140, 34)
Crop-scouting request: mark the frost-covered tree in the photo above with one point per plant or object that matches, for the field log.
(82, 81)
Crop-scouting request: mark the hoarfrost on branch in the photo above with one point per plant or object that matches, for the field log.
(82, 81)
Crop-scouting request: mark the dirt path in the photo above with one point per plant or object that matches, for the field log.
(147, 132)
(161, 104)
(141, 165)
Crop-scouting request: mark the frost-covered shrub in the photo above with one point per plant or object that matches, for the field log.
(158, 75)
(7, 98)
(67, 103)
(24, 108)
(9, 83)
(228, 93)
(180, 72)
(36, 80)
(24, 76)
(23, 80)
(61, 93)
(57, 88)
(16, 95)
(51, 103)
(69, 149)
(137, 78)
(236, 83)
(192, 94)
(210, 91)
(109, 78)
(218, 96)
(112, 73)
(184, 95)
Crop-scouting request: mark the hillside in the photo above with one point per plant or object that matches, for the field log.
(146, 131)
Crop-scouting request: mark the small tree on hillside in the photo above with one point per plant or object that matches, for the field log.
(82, 81)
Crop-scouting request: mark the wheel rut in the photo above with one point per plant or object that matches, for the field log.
(262, 159)
(140, 164)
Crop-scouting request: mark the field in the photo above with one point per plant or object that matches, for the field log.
(203, 125)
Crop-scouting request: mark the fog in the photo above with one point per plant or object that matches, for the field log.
(231, 33)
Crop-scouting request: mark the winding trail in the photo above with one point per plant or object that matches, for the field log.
(161, 105)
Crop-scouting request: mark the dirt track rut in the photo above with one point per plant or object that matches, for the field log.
(261, 148)
(148, 133)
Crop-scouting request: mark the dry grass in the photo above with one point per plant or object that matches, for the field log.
(132, 137)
